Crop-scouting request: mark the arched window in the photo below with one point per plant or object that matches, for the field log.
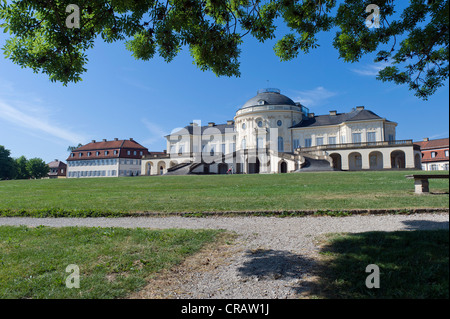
(280, 144)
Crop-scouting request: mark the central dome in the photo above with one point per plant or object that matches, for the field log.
(269, 97)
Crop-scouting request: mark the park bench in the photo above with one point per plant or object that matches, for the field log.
(421, 184)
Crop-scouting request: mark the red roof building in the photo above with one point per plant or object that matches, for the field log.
(58, 169)
(106, 159)
(435, 154)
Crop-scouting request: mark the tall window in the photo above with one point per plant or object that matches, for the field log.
(433, 154)
(331, 139)
(356, 137)
(296, 143)
(319, 141)
(244, 144)
(260, 142)
(308, 142)
(280, 144)
(371, 136)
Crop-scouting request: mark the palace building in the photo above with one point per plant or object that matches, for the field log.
(106, 159)
(270, 133)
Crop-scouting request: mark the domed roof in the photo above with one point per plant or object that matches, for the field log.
(269, 97)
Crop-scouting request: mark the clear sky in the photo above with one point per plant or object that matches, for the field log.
(125, 98)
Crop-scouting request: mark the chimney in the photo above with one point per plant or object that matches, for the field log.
(193, 124)
(333, 112)
(116, 139)
(231, 122)
(426, 139)
(104, 140)
(131, 139)
(360, 108)
(311, 115)
(56, 160)
(93, 141)
(211, 123)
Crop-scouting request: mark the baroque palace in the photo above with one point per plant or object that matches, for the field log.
(271, 133)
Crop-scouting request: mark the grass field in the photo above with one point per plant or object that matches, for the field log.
(412, 264)
(112, 262)
(305, 191)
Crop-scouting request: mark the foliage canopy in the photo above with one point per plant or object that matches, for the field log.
(414, 42)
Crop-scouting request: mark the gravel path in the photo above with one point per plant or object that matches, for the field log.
(271, 258)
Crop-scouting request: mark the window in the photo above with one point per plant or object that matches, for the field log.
(433, 154)
(296, 143)
(260, 123)
(371, 137)
(80, 154)
(244, 144)
(319, 141)
(128, 152)
(244, 126)
(141, 153)
(279, 123)
(446, 153)
(434, 167)
(260, 142)
(391, 138)
(280, 144)
(97, 153)
(134, 153)
(308, 142)
(106, 152)
(88, 154)
(331, 139)
(223, 148)
(116, 152)
(356, 137)
(343, 141)
(72, 155)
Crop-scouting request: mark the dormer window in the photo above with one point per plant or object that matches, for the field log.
(116, 152)
(80, 154)
(261, 102)
(89, 154)
(97, 153)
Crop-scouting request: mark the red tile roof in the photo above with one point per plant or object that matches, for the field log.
(107, 149)
(433, 144)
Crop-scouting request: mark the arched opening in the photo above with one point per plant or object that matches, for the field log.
(283, 167)
(375, 160)
(205, 168)
(223, 168)
(398, 159)
(161, 168)
(148, 168)
(354, 161)
(337, 161)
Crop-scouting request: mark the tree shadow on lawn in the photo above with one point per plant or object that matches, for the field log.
(413, 264)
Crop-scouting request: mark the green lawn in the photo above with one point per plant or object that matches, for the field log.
(305, 191)
(112, 262)
(412, 264)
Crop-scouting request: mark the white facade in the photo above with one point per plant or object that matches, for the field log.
(272, 134)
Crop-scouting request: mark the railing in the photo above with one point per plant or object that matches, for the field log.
(356, 145)
(268, 107)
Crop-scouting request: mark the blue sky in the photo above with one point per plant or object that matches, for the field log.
(122, 97)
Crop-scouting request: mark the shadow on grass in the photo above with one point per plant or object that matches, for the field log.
(413, 264)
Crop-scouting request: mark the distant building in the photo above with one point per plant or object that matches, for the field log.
(435, 155)
(106, 159)
(58, 169)
(271, 133)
